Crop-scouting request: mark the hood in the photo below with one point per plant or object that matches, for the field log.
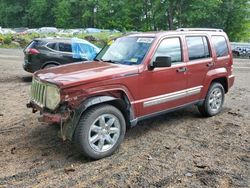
(84, 72)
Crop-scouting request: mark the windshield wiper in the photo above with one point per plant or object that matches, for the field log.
(109, 61)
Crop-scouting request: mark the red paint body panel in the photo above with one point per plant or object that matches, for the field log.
(84, 73)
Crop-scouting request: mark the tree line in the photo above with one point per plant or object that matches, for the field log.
(127, 15)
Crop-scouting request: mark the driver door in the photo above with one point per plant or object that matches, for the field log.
(164, 88)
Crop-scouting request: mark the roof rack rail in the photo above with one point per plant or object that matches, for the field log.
(199, 29)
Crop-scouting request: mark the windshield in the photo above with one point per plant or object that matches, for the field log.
(126, 50)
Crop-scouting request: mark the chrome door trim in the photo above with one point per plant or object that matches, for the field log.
(169, 97)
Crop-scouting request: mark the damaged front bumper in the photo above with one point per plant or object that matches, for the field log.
(53, 118)
(67, 119)
(49, 117)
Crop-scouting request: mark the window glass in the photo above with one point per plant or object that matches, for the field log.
(126, 50)
(36, 43)
(64, 47)
(52, 46)
(197, 47)
(220, 45)
(83, 51)
(170, 47)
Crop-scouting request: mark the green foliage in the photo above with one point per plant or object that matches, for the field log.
(63, 13)
(1, 39)
(7, 40)
(11, 41)
(125, 15)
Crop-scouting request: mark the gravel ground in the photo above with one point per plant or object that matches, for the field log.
(180, 149)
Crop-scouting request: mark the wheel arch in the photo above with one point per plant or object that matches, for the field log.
(119, 103)
(50, 63)
(216, 75)
(223, 81)
(122, 103)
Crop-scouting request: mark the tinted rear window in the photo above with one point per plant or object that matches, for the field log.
(197, 47)
(64, 47)
(36, 43)
(220, 45)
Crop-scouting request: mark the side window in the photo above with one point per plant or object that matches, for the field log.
(220, 45)
(197, 47)
(64, 47)
(52, 46)
(170, 47)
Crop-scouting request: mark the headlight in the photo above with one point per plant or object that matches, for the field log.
(52, 97)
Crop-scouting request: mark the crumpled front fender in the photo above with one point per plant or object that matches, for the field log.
(68, 129)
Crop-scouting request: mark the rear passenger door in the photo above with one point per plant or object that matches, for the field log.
(199, 62)
(65, 50)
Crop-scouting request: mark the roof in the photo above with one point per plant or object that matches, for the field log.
(54, 39)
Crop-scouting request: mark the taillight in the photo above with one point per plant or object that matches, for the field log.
(32, 51)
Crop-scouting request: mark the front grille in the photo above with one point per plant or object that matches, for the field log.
(38, 92)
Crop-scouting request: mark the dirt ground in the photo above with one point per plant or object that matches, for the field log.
(180, 149)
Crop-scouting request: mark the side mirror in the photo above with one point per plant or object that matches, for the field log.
(161, 61)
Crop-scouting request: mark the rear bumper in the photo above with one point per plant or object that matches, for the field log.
(30, 67)
(231, 79)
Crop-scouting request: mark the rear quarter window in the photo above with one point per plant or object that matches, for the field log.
(220, 45)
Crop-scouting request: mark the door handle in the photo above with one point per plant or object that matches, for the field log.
(210, 64)
(182, 69)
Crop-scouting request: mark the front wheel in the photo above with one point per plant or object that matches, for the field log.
(214, 100)
(100, 131)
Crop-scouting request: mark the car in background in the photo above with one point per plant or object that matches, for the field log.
(47, 30)
(50, 52)
(30, 31)
(241, 49)
(92, 30)
(20, 30)
(68, 32)
(6, 31)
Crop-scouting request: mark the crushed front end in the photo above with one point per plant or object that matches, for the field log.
(46, 98)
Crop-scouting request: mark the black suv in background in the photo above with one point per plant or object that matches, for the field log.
(50, 52)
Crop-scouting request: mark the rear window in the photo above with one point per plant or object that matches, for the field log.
(36, 43)
(64, 47)
(197, 47)
(220, 45)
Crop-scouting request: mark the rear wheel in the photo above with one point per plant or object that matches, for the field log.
(236, 54)
(100, 131)
(49, 66)
(214, 100)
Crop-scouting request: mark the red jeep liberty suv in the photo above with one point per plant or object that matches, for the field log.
(133, 78)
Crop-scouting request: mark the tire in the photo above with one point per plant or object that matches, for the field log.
(49, 66)
(100, 131)
(214, 100)
(236, 54)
